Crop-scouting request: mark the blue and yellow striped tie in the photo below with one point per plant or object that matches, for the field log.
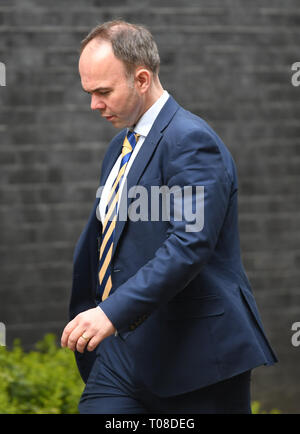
(109, 224)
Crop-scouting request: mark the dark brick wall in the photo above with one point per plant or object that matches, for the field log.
(228, 61)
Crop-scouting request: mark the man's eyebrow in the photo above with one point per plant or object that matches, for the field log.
(98, 89)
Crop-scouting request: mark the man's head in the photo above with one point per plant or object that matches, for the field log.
(119, 66)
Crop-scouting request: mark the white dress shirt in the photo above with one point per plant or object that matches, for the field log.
(142, 128)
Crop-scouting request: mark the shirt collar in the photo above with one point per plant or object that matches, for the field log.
(145, 123)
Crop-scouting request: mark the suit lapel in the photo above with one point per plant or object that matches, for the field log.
(142, 159)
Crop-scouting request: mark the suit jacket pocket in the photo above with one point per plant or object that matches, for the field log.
(187, 308)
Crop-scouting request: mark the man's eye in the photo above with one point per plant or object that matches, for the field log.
(106, 92)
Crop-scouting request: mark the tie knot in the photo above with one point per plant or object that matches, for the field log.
(130, 142)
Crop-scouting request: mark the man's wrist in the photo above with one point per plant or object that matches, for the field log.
(116, 331)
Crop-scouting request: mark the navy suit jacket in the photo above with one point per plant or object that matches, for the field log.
(180, 300)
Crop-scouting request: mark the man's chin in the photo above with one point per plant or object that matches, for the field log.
(116, 122)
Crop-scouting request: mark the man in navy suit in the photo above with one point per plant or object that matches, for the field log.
(176, 328)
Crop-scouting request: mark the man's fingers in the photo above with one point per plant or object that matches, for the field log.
(93, 324)
(75, 337)
(93, 342)
(67, 331)
(84, 340)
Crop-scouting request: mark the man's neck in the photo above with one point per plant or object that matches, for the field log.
(154, 94)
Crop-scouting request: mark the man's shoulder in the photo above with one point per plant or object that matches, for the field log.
(185, 124)
(190, 132)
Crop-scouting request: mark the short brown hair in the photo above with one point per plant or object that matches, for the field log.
(131, 43)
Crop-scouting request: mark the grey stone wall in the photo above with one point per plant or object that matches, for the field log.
(229, 61)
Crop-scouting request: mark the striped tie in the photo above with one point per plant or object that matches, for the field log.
(109, 224)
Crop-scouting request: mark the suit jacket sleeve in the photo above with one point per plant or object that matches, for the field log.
(196, 160)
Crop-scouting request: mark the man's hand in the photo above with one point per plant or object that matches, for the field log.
(88, 328)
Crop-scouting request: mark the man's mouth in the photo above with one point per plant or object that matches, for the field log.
(109, 118)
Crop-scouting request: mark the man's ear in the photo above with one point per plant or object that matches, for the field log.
(143, 79)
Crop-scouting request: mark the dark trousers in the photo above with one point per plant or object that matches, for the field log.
(112, 389)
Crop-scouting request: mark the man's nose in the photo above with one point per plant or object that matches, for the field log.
(97, 103)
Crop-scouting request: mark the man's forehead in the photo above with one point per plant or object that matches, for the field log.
(98, 66)
(98, 57)
(96, 51)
